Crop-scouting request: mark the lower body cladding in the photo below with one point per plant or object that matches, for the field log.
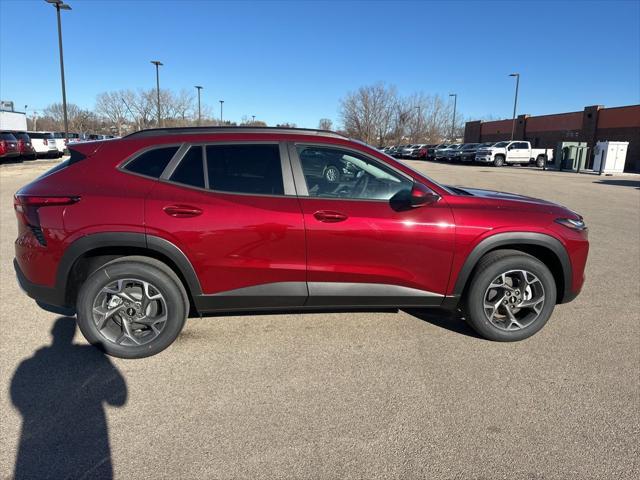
(316, 295)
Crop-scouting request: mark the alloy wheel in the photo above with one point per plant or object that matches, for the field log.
(514, 300)
(129, 312)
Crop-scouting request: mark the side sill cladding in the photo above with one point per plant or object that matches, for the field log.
(126, 239)
(516, 238)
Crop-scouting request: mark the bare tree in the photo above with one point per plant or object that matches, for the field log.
(325, 124)
(113, 109)
(367, 114)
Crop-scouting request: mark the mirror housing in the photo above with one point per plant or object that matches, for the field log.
(417, 196)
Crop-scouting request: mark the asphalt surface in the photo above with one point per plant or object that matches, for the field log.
(366, 395)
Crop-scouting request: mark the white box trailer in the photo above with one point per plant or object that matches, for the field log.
(13, 121)
(609, 157)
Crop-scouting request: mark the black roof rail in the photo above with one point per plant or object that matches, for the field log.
(153, 132)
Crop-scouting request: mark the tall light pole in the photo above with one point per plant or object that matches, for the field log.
(199, 112)
(453, 123)
(158, 64)
(221, 102)
(515, 103)
(253, 119)
(419, 120)
(60, 5)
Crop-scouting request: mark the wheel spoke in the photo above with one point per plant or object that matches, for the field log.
(106, 314)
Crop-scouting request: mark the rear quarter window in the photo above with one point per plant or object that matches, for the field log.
(151, 163)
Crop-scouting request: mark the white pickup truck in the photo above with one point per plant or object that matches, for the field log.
(514, 152)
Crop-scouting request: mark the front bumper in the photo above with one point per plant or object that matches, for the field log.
(484, 158)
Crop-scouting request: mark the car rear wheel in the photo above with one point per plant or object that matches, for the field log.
(133, 307)
(511, 296)
(540, 161)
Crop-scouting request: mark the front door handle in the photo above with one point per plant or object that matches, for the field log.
(329, 216)
(182, 211)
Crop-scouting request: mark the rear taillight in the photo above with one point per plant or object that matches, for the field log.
(3, 147)
(45, 142)
(27, 207)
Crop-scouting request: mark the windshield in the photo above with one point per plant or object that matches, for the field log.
(501, 144)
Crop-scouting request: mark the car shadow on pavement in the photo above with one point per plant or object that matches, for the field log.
(620, 183)
(444, 319)
(60, 392)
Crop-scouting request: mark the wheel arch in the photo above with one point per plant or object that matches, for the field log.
(544, 247)
(89, 253)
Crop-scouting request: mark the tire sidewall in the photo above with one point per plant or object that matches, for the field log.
(481, 281)
(176, 308)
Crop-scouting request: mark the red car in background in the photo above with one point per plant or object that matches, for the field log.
(24, 145)
(136, 234)
(8, 146)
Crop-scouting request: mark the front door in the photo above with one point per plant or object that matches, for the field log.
(360, 251)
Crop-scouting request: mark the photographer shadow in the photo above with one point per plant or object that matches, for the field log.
(60, 392)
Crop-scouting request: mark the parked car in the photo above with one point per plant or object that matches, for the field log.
(44, 144)
(24, 145)
(431, 151)
(514, 152)
(441, 152)
(415, 150)
(8, 146)
(61, 142)
(328, 166)
(218, 220)
(446, 152)
(423, 152)
(408, 150)
(467, 153)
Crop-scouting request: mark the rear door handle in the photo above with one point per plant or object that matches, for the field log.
(329, 216)
(182, 211)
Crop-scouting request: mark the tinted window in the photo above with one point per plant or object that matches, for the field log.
(152, 162)
(21, 136)
(8, 137)
(245, 169)
(191, 170)
(36, 135)
(335, 173)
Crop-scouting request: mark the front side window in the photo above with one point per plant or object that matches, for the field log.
(250, 169)
(152, 162)
(336, 173)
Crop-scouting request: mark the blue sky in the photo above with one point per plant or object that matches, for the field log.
(293, 61)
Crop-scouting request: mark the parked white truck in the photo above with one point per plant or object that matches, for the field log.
(514, 152)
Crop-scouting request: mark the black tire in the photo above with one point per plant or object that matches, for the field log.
(332, 174)
(498, 161)
(540, 161)
(147, 269)
(489, 268)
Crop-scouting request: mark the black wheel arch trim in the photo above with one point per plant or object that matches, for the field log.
(516, 238)
(126, 239)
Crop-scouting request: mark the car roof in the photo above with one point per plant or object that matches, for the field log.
(157, 132)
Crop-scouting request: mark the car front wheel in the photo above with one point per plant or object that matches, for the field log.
(133, 307)
(511, 296)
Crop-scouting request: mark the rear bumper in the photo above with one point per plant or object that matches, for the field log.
(50, 299)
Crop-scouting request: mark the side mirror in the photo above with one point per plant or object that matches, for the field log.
(417, 196)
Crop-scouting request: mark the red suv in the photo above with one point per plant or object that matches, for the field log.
(134, 235)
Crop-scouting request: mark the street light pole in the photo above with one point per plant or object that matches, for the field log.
(453, 123)
(199, 112)
(253, 119)
(221, 102)
(158, 64)
(419, 120)
(515, 103)
(60, 5)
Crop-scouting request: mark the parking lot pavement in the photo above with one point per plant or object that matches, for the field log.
(365, 395)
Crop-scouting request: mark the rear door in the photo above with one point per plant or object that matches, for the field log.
(360, 251)
(232, 209)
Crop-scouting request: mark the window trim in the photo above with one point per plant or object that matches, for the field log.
(285, 167)
(301, 182)
(122, 165)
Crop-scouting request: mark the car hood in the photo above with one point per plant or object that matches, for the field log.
(516, 201)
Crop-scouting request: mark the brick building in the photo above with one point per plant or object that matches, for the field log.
(592, 124)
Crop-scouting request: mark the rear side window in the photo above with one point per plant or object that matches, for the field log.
(252, 169)
(191, 169)
(152, 162)
(8, 137)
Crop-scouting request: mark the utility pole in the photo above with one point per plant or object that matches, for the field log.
(453, 123)
(158, 64)
(199, 111)
(253, 119)
(221, 102)
(515, 103)
(60, 5)
(419, 121)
